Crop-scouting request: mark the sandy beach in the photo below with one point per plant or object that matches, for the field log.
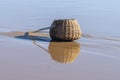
(34, 56)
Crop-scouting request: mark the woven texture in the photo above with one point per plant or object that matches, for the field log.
(66, 29)
(64, 52)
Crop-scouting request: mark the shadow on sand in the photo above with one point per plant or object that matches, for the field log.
(26, 36)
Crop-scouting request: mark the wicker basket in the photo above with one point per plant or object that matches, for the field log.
(64, 52)
(65, 29)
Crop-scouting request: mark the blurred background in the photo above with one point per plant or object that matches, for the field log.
(94, 16)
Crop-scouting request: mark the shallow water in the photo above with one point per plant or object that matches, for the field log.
(95, 56)
(33, 58)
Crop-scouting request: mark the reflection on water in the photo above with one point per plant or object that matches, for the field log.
(64, 52)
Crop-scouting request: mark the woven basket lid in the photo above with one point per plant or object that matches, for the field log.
(64, 52)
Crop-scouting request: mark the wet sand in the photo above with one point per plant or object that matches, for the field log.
(95, 56)
(26, 56)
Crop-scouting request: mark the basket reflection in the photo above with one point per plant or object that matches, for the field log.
(64, 52)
